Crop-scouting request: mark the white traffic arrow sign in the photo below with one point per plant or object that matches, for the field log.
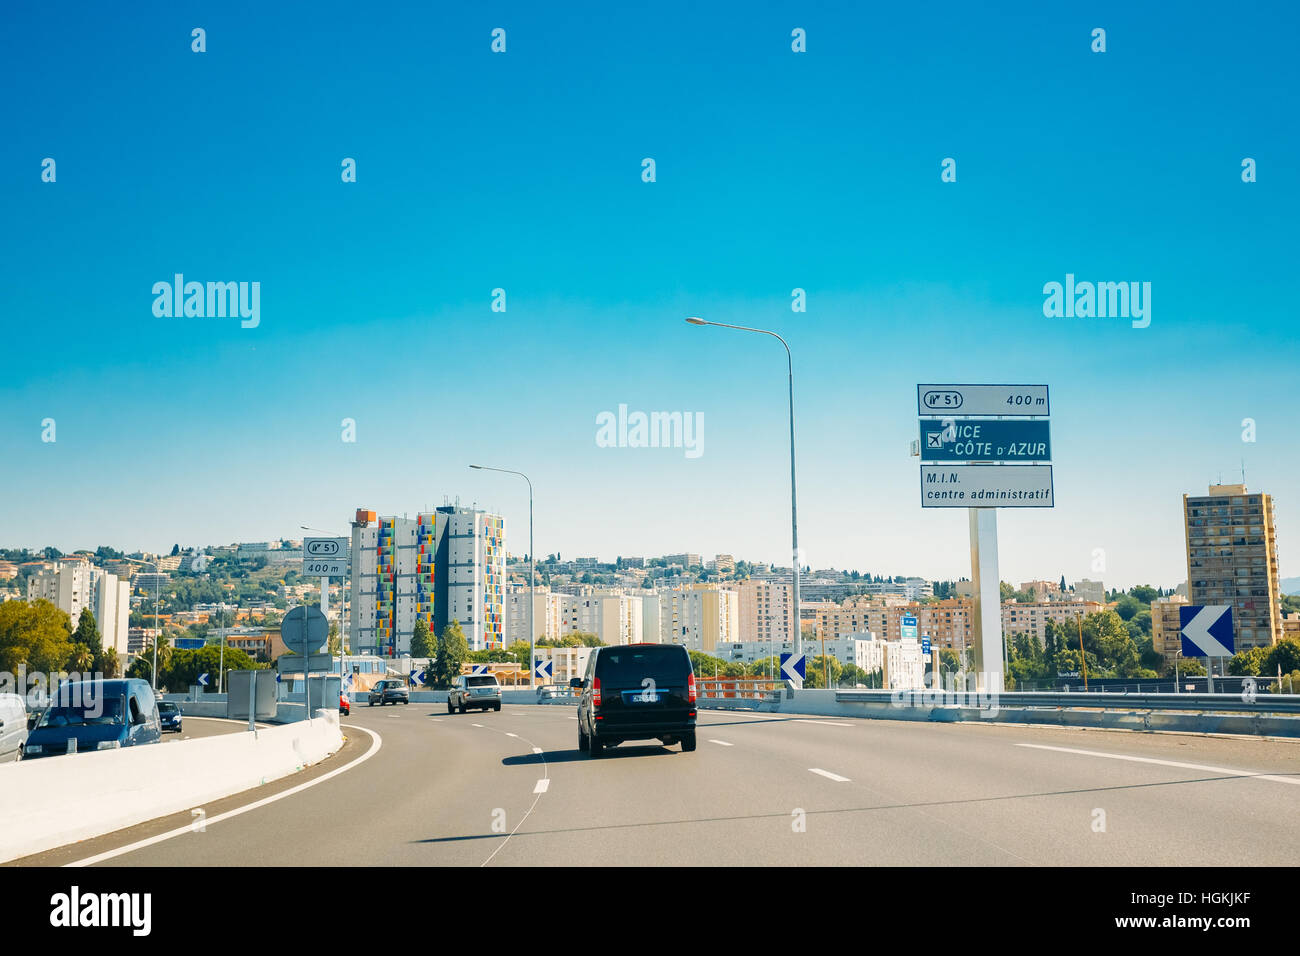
(792, 669)
(1197, 630)
(203, 679)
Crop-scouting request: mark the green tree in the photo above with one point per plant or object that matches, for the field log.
(422, 643)
(142, 666)
(1144, 593)
(1189, 667)
(452, 651)
(184, 667)
(36, 636)
(1284, 654)
(1248, 662)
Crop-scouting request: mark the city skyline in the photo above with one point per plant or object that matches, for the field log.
(518, 172)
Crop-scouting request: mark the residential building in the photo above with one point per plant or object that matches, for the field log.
(1166, 626)
(546, 613)
(687, 560)
(1086, 590)
(765, 611)
(947, 623)
(1232, 560)
(1031, 617)
(74, 586)
(1041, 588)
(445, 565)
(725, 563)
(699, 617)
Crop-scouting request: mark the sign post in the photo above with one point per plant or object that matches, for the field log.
(304, 630)
(984, 447)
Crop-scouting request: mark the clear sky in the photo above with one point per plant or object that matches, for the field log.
(523, 171)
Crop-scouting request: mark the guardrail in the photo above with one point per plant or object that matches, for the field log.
(727, 692)
(1205, 703)
(556, 694)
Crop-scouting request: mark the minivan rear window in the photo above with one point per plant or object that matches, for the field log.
(630, 665)
(481, 681)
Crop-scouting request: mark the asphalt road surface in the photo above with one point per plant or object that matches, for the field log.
(414, 785)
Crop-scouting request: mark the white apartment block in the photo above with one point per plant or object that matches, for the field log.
(566, 662)
(475, 561)
(75, 585)
(615, 618)
(546, 614)
(1086, 590)
(1032, 618)
(699, 617)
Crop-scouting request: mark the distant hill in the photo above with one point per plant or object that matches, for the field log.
(1289, 585)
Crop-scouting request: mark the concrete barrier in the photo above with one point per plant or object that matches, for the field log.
(54, 801)
(822, 703)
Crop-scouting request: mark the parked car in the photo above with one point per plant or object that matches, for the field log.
(479, 691)
(95, 715)
(345, 705)
(636, 692)
(13, 727)
(169, 716)
(389, 691)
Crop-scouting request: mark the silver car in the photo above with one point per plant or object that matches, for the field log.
(13, 727)
(474, 690)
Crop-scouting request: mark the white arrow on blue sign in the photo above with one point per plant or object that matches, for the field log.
(543, 669)
(417, 676)
(479, 669)
(1206, 630)
(793, 667)
(203, 679)
(925, 645)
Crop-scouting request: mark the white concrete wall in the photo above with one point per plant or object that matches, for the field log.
(53, 801)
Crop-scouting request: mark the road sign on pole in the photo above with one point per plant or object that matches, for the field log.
(1001, 400)
(203, 679)
(987, 486)
(793, 668)
(983, 440)
(907, 628)
(304, 630)
(1206, 630)
(325, 557)
(543, 669)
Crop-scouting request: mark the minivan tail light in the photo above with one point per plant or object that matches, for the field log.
(595, 691)
(690, 689)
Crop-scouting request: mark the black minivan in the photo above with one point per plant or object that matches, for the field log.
(636, 692)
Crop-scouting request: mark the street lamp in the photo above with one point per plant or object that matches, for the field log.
(532, 557)
(794, 522)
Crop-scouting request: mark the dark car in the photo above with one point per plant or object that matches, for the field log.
(636, 692)
(169, 716)
(95, 715)
(389, 692)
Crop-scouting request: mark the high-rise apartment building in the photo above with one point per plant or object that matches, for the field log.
(699, 617)
(73, 586)
(1232, 559)
(765, 611)
(438, 567)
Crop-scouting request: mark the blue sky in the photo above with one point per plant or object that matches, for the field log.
(522, 171)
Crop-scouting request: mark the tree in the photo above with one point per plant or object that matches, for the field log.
(1008, 592)
(36, 636)
(1062, 583)
(1189, 667)
(1284, 654)
(422, 644)
(452, 651)
(176, 549)
(1248, 662)
(185, 666)
(142, 666)
(1144, 593)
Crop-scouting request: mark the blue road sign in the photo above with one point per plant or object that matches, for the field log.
(907, 628)
(973, 439)
(479, 669)
(416, 677)
(1206, 630)
(543, 669)
(793, 668)
(925, 644)
(203, 679)
(189, 643)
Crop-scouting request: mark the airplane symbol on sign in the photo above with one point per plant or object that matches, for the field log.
(934, 439)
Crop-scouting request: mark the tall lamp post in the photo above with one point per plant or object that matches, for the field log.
(532, 558)
(794, 520)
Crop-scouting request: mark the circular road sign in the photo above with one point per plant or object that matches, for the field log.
(304, 630)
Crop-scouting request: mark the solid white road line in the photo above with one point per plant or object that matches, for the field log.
(141, 844)
(542, 785)
(828, 775)
(825, 723)
(476, 725)
(720, 743)
(1294, 781)
(508, 734)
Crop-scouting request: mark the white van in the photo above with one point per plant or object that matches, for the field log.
(13, 727)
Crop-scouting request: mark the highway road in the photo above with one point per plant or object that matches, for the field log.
(416, 786)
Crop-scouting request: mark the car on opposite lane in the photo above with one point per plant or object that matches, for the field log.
(169, 716)
(636, 692)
